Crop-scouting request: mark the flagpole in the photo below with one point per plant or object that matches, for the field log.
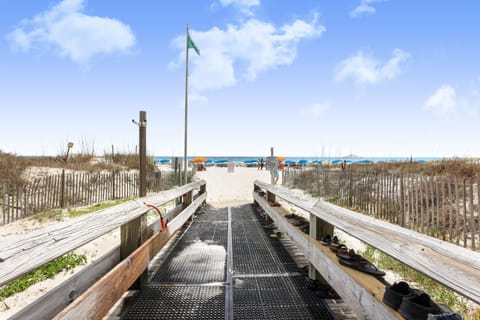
(186, 112)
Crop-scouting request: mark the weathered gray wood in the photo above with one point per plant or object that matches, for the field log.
(54, 301)
(21, 254)
(365, 304)
(478, 206)
(455, 267)
(457, 202)
(472, 214)
(450, 206)
(133, 234)
(464, 201)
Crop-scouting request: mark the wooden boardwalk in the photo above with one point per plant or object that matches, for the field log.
(226, 266)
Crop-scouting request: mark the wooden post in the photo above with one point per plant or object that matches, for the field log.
(450, 212)
(457, 216)
(472, 214)
(142, 124)
(465, 223)
(133, 235)
(62, 190)
(270, 197)
(444, 229)
(402, 201)
(318, 229)
(187, 199)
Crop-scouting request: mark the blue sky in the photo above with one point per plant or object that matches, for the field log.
(310, 78)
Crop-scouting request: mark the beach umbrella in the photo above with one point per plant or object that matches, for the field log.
(250, 161)
(281, 158)
(337, 161)
(288, 161)
(316, 161)
(221, 161)
(303, 161)
(163, 161)
(208, 161)
(199, 159)
(364, 161)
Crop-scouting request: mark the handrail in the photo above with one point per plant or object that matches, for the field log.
(453, 266)
(23, 253)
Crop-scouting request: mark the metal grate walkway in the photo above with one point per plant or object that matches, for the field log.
(225, 266)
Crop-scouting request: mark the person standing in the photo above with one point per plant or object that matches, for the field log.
(262, 163)
(274, 172)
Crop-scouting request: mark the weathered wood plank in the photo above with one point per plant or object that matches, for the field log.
(455, 267)
(54, 301)
(21, 254)
(362, 293)
(99, 298)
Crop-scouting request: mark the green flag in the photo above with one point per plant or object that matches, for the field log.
(191, 44)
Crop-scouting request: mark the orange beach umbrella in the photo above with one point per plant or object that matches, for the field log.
(199, 159)
(281, 158)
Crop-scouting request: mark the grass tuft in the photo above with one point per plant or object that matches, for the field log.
(49, 270)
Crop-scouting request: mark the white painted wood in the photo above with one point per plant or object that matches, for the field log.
(21, 254)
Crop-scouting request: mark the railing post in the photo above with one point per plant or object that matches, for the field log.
(270, 197)
(318, 229)
(187, 199)
(62, 190)
(133, 235)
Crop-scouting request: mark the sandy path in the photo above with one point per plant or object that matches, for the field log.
(231, 188)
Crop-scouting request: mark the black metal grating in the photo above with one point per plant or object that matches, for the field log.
(255, 252)
(212, 215)
(276, 298)
(190, 283)
(210, 232)
(189, 302)
(197, 262)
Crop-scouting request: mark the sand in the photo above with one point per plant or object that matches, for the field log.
(223, 189)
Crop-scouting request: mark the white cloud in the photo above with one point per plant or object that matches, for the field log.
(70, 33)
(317, 109)
(364, 8)
(243, 51)
(243, 5)
(364, 69)
(442, 100)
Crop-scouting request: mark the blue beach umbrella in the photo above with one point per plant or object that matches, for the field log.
(337, 161)
(316, 161)
(163, 161)
(288, 161)
(221, 161)
(364, 161)
(303, 161)
(250, 161)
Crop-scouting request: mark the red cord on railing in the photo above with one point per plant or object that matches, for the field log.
(162, 221)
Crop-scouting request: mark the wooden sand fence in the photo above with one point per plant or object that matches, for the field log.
(64, 190)
(443, 207)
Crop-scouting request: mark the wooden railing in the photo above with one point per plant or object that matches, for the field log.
(82, 296)
(66, 190)
(453, 266)
(442, 207)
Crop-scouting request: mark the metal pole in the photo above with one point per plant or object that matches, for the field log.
(186, 113)
(142, 125)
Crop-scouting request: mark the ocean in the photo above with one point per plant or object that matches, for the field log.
(245, 159)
